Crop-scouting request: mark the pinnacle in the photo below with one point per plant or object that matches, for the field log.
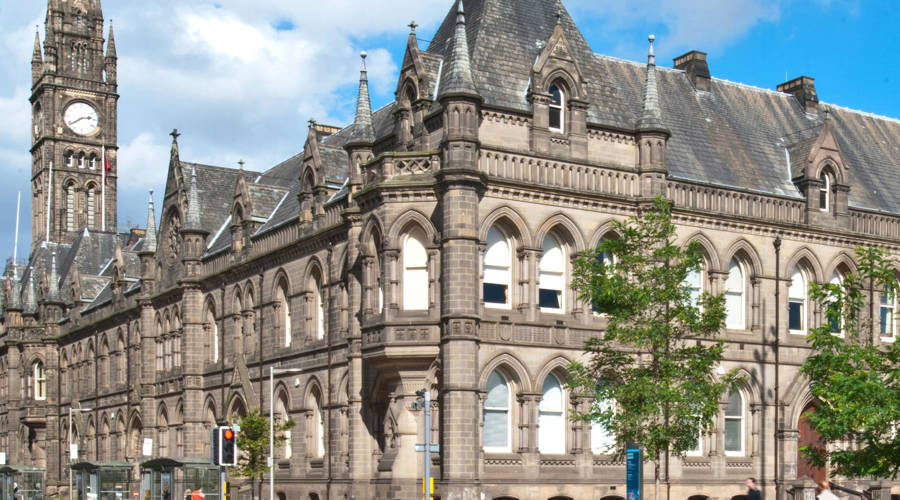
(193, 212)
(363, 121)
(457, 77)
(651, 117)
(111, 43)
(150, 236)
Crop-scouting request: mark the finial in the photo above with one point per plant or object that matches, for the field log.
(363, 55)
(240, 162)
(175, 135)
(151, 196)
(412, 26)
(312, 123)
(559, 9)
(460, 13)
(651, 57)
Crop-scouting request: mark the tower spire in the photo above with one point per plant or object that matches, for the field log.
(150, 236)
(363, 121)
(651, 117)
(30, 299)
(36, 56)
(111, 43)
(193, 213)
(457, 77)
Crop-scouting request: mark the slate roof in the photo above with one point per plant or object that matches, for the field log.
(215, 186)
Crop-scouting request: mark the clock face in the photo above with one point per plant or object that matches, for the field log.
(81, 118)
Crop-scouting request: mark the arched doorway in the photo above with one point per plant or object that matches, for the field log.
(808, 437)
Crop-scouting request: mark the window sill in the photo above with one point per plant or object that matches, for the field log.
(889, 340)
(316, 463)
(797, 332)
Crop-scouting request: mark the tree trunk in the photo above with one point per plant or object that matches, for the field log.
(656, 478)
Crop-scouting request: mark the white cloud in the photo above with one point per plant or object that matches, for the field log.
(142, 162)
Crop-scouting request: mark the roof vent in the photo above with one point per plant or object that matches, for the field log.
(804, 89)
(694, 64)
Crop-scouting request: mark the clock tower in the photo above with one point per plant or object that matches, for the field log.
(74, 106)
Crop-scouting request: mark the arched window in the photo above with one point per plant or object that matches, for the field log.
(824, 190)
(70, 159)
(734, 424)
(694, 284)
(80, 160)
(496, 414)
(40, 381)
(70, 206)
(415, 271)
(317, 427)
(557, 107)
(284, 308)
(735, 304)
(835, 323)
(162, 431)
(91, 206)
(608, 260)
(602, 441)
(497, 271)
(92, 162)
(888, 324)
(797, 302)
(552, 279)
(281, 416)
(319, 304)
(551, 418)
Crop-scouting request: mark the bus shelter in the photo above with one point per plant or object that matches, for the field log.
(21, 483)
(164, 478)
(102, 480)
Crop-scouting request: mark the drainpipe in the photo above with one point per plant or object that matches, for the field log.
(775, 345)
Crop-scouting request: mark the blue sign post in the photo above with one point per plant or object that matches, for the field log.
(634, 472)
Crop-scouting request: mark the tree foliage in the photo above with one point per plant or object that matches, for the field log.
(253, 443)
(854, 380)
(657, 357)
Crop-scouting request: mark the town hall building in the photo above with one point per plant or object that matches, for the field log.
(429, 245)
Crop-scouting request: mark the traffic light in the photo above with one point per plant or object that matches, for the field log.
(227, 446)
(214, 446)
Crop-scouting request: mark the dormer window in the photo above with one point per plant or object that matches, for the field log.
(824, 191)
(557, 107)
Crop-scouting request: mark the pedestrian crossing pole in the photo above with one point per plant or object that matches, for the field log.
(427, 447)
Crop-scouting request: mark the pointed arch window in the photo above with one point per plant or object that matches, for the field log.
(552, 278)
(694, 284)
(551, 417)
(496, 435)
(734, 425)
(835, 324)
(91, 205)
(317, 427)
(40, 381)
(825, 190)
(888, 322)
(557, 106)
(497, 270)
(735, 303)
(797, 300)
(608, 260)
(92, 163)
(415, 271)
(70, 207)
(284, 308)
(319, 301)
(281, 416)
(602, 441)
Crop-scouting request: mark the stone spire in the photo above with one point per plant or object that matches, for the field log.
(150, 236)
(36, 57)
(173, 153)
(111, 43)
(30, 298)
(14, 301)
(53, 286)
(193, 212)
(457, 77)
(363, 122)
(651, 117)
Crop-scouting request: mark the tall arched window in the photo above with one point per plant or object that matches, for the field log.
(835, 323)
(212, 334)
(888, 324)
(284, 308)
(735, 303)
(70, 206)
(415, 271)
(824, 190)
(92, 162)
(317, 427)
(734, 424)
(162, 431)
(694, 284)
(40, 381)
(497, 269)
(281, 416)
(557, 106)
(69, 158)
(552, 279)
(608, 260)
(319, 303)
(551, 418)
(497, 426)
(602, 441)
(797, 302)
(81, 160)
(91, 205)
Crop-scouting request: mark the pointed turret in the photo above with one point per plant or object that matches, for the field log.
(53, 285)
(651, 117)
(193, 212)
(111, 43)
(457, 76)
(29, 298)
(363, 122)
(37, 59)
(150, 236)
(15, 292)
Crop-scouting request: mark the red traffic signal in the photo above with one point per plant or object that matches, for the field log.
(228, 452)
(229, 434)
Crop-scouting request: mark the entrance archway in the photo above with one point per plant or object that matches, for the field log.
(808, 437)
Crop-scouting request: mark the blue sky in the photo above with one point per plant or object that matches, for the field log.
(241, 78)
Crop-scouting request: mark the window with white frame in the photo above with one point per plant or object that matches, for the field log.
(552, 278)
(835, 324)
(888, 324)
(213, 335)
(70, 207)
(91, 206)
(80, 160)
(551, 418)
(415, 272)
(557, 106)
(497, 270)
(320, 428)
(694, 283)
(602, 441)
(734, 424)
(69, 159)
(735, 303)
(496, 436)
(319, 301)
(824, 191)
(284, 308)
(797, 302)
(40, 381)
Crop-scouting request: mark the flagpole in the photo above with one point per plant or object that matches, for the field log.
(49, 197)
(16, 240)
(103, 191)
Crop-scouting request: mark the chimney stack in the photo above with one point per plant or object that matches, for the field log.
(804, 89)
(694, 64)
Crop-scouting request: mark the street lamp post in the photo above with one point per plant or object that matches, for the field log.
(271, 464)
(70, 444)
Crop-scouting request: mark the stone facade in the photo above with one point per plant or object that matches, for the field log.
(361, 261)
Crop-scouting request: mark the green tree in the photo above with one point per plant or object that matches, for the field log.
(855, 381)
(656, 359)
(253, 444)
